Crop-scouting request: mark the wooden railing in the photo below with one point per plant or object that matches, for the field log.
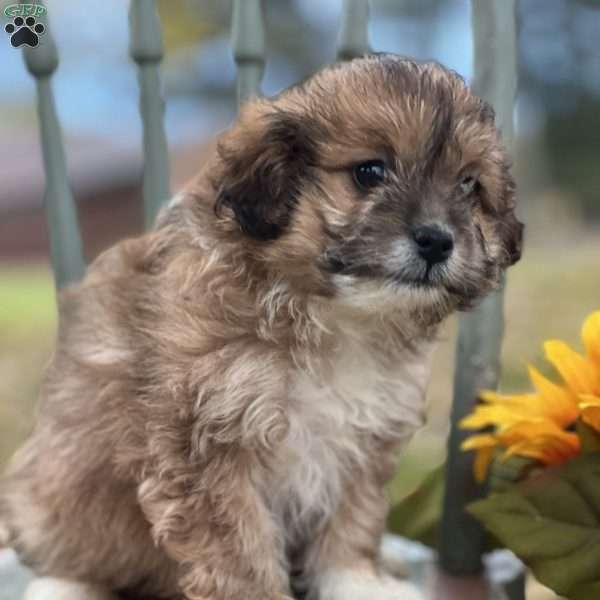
(147, 51)
(65, 240)
(480, 332)
(248, 45)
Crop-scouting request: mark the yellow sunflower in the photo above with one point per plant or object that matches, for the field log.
(540, 424)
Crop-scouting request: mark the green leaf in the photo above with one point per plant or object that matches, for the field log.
(505, 473)
(417, 516)
(552, 522)
(590, 440)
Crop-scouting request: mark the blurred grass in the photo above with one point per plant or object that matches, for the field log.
(26, 299)
(27, 325)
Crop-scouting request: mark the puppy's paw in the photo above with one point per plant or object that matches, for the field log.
(50, 588)
(357, 585)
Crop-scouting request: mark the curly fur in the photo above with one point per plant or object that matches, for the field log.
(229, 391)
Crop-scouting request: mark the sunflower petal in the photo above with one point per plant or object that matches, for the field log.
(525, 449)
(526, 430)
(482, 462)
(475, 442)
(507, 412)
(590, 334)
(590, 410)
(557, 451)
(534, 425)
(489, 396)
(576, 371)
(559, 403)
(487, 415)
(549, 449)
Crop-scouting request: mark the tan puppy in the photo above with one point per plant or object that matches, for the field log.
(229, 392)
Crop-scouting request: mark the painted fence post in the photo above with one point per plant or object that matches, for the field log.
(248, 44)
(353, 38)
(61, 212)
(480, 332)
(146, 49)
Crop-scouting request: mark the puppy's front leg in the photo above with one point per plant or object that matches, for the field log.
(205, 477)
(343, 562)
(218, 532)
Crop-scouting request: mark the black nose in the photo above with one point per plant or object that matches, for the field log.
(433, 244)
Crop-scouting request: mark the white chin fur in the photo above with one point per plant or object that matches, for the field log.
(373, 296)
(50, 588)
(356, 585)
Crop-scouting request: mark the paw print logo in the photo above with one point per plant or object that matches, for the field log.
(24, 31)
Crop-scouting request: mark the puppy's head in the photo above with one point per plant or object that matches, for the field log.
(378, 180)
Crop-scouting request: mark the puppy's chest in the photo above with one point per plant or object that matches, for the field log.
(335, 409)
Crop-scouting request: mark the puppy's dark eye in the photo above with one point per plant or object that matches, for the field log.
(369, 174)
(469, 185)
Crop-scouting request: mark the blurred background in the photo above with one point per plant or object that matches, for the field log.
(557, 161)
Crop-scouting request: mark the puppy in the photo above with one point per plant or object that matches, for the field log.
(230, 391)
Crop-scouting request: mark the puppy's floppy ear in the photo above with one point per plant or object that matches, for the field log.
(264, 161)
(512, 228)
(513, 238)
(500, 196)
